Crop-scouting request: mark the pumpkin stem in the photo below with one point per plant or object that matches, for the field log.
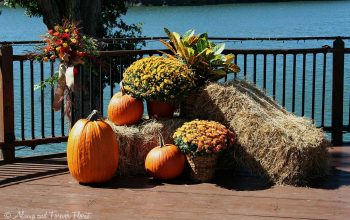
(122, 88)
(161, 139)
(94, 116)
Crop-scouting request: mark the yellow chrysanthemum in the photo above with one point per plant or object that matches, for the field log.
(208, 136)
(158, 78)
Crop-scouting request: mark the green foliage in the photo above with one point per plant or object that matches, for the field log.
(200, 54)
(111, 24)
(32, 8)
(51, 81)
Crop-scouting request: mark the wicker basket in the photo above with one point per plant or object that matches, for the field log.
(202, 167)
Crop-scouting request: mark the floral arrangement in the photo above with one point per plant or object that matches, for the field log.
(158, 78)
(201, 55)
(202, 137)
(66, 43)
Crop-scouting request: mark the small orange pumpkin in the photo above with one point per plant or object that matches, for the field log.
(165, 161)
(125, 109)
(92, 150)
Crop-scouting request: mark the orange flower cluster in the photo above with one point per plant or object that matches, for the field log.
(66, 43)
(201, 137)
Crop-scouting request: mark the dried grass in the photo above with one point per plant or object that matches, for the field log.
(136, 141)
(272, 142)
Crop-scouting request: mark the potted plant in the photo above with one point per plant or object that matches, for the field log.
(160, 81)
(203, 56)
(201, 141)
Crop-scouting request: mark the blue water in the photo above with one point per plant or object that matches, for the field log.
(324, 18)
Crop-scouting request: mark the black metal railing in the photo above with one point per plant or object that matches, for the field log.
(308, 82)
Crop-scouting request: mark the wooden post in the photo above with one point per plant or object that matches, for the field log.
(338, 91)
(6, 103)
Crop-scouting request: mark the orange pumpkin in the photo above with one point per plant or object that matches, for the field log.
(165, 161)
(92, 150)
(124, 109)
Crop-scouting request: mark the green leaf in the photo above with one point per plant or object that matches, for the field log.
(233, 68)
(166, 30)
(188, 34)
(217, 60)
(49, 81)
(201, 45)
(219, 48)
(204, 36)
(218, 72)
(190, 51)
(229, 58)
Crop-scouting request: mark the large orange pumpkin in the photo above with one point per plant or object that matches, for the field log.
(92, 150)
(165, 161)
(124, 109)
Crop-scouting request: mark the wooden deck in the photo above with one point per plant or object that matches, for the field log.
(43, 189)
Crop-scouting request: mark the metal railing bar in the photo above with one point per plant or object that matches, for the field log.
(101, 89)
(120, 69)
(91, 89)
(323, 88)
(81, 77)
(133, 39)
(42, 100)
(264, 80)
(254, 77)
(22, 98)
(294, 81)
(245, 66)
(235, 62)
(33, 142)
(32, 97)
(284, 81)
(274, 76)
(313, 86)
(62, 119)
(52, 98)
(110, 77)
(303, 86)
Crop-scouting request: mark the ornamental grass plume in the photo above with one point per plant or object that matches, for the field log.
(158, 78)
(202, 137)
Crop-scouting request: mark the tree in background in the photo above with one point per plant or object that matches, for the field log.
(98, 18)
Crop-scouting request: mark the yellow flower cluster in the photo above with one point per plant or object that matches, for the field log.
(200, 137)
(158, 78)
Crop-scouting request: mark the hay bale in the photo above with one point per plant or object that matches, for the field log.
(136, 141)
(272, 142)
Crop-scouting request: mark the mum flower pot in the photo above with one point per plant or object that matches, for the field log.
(202, 168)
(159, 109)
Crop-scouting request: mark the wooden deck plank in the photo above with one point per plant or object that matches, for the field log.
(45, 186)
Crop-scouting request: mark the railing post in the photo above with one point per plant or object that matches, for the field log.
(338, 91)
(6, 103)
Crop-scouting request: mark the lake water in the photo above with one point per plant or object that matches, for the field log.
(324, 18)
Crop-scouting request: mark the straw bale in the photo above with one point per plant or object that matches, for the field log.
(272, 142)
(136, 141)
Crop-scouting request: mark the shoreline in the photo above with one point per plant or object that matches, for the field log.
(138, 3)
